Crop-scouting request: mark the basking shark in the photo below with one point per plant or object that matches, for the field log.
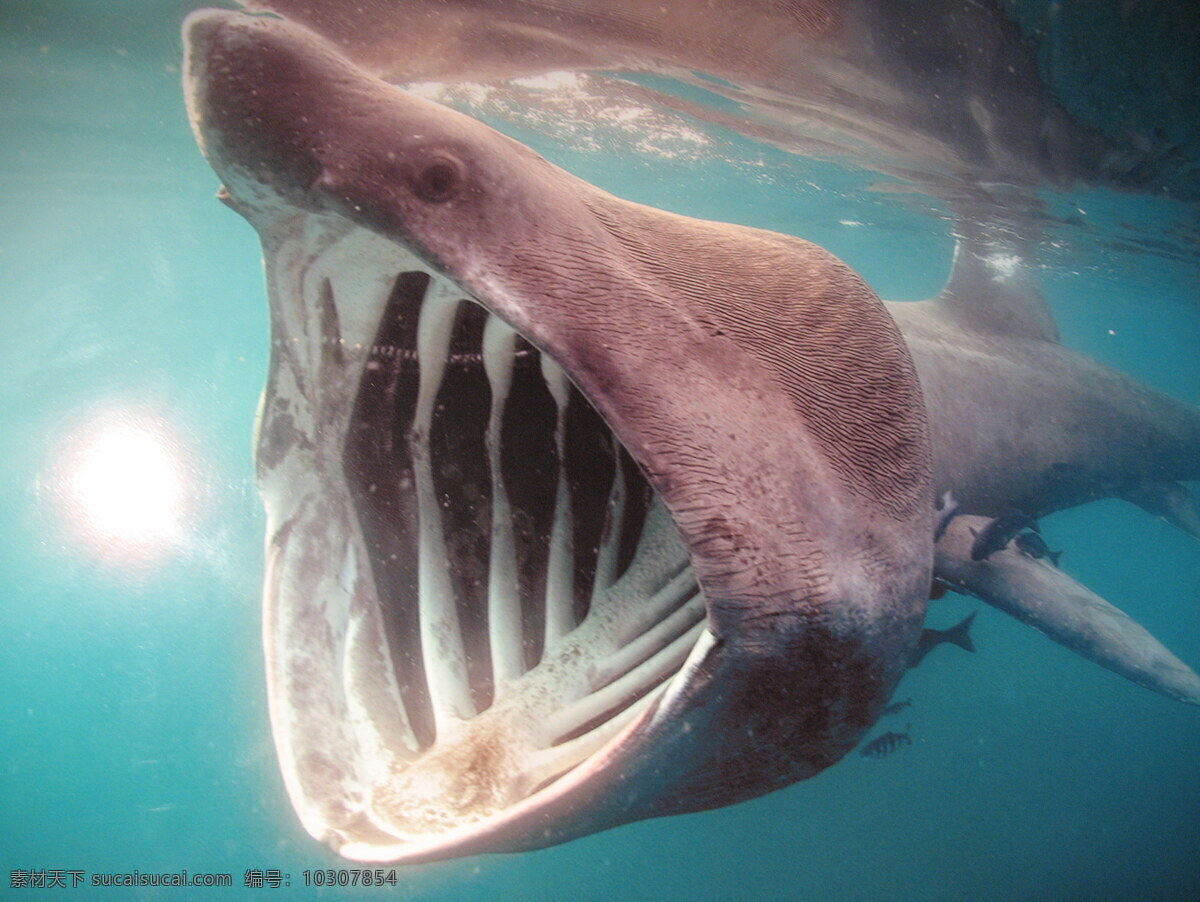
(580, 512)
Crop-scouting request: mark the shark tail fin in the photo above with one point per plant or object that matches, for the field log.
(960, 633)
(992, 289)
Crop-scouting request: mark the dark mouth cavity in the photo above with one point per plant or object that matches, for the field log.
(479, 472)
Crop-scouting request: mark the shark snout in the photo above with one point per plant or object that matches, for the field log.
(259, 92)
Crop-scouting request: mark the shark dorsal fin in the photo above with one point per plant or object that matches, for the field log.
(991, 289)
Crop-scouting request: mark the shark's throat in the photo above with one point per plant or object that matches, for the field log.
(471, 588)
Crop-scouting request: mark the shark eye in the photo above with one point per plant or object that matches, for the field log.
(438, 180)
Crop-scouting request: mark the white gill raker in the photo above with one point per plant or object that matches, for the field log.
(683, 677)
(658, 576)
(547, 764)
(665, 600)
(504, 600)
(610, 539)
(376, 708)
(441, 636)
(628, 656)
(560, 562)
(617, 694)
(660, 556)
(363, 281)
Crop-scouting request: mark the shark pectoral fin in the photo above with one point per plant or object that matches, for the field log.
(1172, 501)
(1045, 598)
(992, 289)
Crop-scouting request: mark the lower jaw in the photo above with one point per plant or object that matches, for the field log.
(421, 703)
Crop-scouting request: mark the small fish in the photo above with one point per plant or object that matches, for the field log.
(946, 508)
(937, 589)
(959, 634)
(883, 745)
(896, 707)
(999, 532)
(1033, 545)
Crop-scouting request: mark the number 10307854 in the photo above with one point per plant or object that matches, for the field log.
(349, 877)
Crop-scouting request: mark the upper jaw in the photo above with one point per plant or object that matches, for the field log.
(766, 677)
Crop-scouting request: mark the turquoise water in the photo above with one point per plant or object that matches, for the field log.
(133, 728)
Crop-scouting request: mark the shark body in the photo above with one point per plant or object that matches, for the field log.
(581, 512)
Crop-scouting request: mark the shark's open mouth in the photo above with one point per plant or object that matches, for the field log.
(505, 438)
(512, 424)
(510, 594)
(495, 505)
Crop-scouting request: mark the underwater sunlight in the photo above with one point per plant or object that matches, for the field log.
(126, 486)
